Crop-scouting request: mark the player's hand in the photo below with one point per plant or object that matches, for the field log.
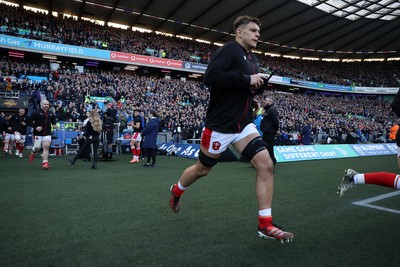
(257, 80)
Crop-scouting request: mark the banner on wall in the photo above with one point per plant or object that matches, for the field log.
(52, 48)
(146, 60)
(195, 67)
(298, 153)
(375, 149)
(181, 150)
(14, 104)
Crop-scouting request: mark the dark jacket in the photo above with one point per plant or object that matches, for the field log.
(44, 119)
(270, 121)
(90, 133)
(228, 77)
(306, 135)
(5, 125)
(150, 133)
(16, 123)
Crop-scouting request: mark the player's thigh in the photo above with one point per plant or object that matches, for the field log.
(242, 143)
(46, 141)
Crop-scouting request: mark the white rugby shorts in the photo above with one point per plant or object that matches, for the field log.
(136, 136)
(39, 139)
(216, 142)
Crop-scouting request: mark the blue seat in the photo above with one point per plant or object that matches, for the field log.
(69, 134)
(57, 145)
(68, 141)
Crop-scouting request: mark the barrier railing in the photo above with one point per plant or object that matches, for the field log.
(14, 94)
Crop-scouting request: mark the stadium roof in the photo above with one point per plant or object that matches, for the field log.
(342, 29)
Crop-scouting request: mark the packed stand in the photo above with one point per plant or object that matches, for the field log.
(87, 34)
(182, 104)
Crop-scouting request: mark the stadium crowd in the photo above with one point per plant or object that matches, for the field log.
(333, 116)
(28, 24)
(182, 104)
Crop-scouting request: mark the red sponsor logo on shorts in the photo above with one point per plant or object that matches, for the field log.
(216, 145)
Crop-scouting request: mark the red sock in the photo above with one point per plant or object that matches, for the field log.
(133, 150)
(177, 191)
(17, 145)
(381, 178)
(264, 221)
(137, 152)
(21, 148)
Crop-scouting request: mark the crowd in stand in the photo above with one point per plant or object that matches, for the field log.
(367, 74)
(182, 104)
(87, 34)
(333, 116)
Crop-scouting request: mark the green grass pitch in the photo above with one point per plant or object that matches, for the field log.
(118, 215)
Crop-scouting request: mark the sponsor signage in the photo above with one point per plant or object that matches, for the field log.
(146, 60)
(318, 85)
(52, 48)
(296, 153)
(195, 67)
(181, 150)
(14, 103)
(374, 90)
(375, 149)
(337, 87)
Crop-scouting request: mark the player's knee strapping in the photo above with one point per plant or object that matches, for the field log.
(254, 147)
(206, 160)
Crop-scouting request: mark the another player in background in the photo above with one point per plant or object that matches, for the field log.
(352, 178)
(233, 79)
(8, 135)
(19, 124)
(42, 121)
(137, 126)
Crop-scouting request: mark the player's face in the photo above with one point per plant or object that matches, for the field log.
(248, 35)
(45, 105)
(21, 111)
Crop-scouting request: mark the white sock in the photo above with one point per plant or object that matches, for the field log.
(181, 187)
(359, 178)
(265, 212)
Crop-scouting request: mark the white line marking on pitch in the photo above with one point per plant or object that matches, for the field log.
(365, 202)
